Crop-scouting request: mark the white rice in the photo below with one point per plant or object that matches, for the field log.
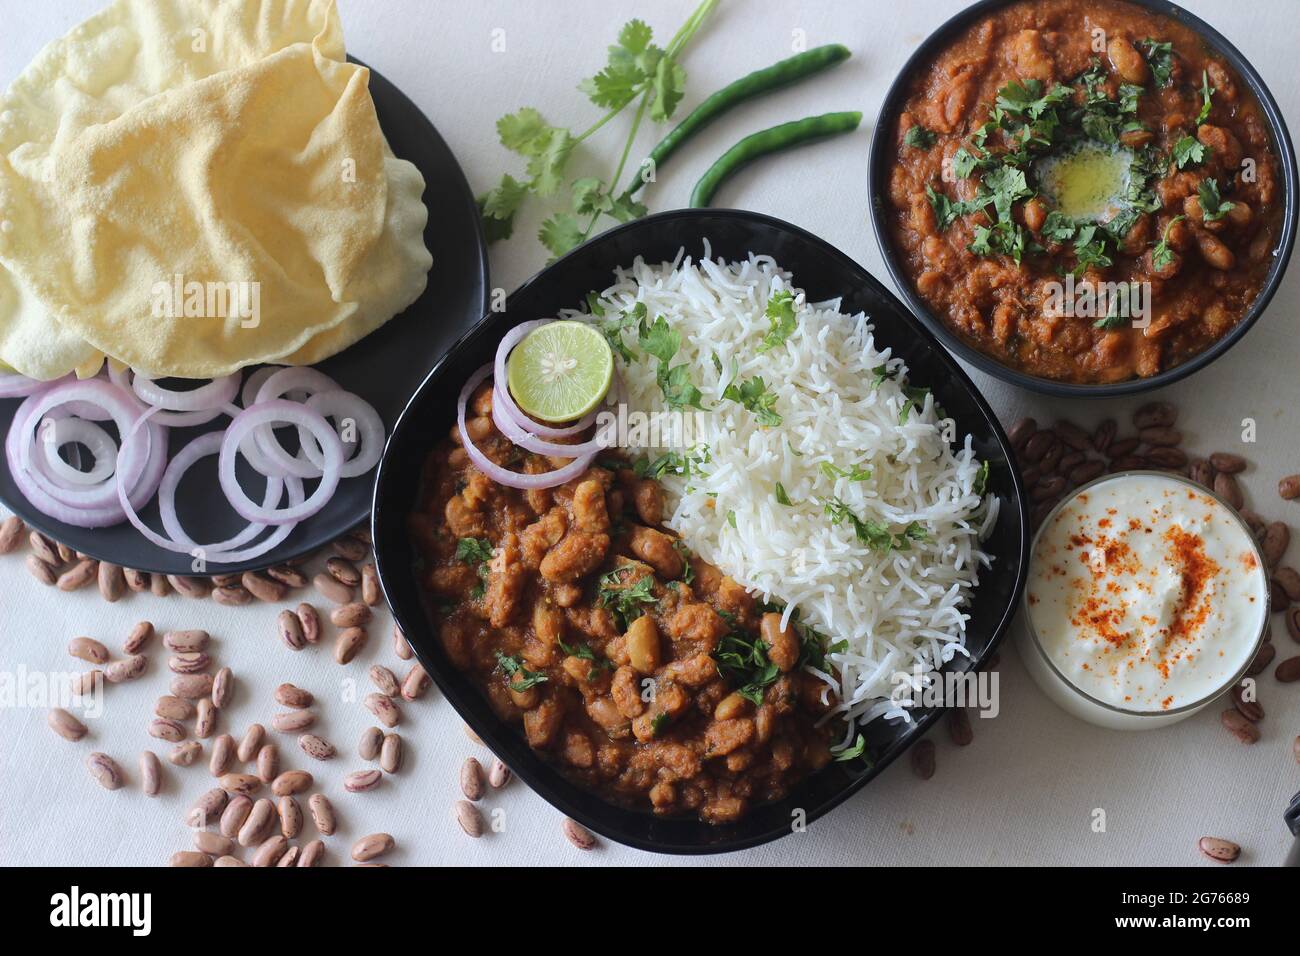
(894, 611)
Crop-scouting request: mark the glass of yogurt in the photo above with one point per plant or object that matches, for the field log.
(1147, 598)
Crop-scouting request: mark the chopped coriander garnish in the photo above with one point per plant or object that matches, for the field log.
(742, 659)
(625, 603)
(1090, 250)
(1162, 256)
(754, 395)
(584, 652)
(731, 518)
(882, 374)
(918, 137)
(782, 498)
(521, 678)
(1160, 57)
(658, 722)
(1213, 206)
(657, 338)
(833, 471)
(780, 317)
(1188, 151)
(981, 482)
(478, 552)
(945, 210)
(858, 749)
(688, 572)
(1207, 98)
(1110, 321)
(913, 397)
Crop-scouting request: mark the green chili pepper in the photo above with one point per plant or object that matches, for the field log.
(773, 140)
(774, 77)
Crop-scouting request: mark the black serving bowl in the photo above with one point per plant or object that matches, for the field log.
(824, 272)
(882, 149)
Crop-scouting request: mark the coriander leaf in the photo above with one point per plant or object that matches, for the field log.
(753, 394)
(614, 86)
(918, 137)
(1111, 321)
(1162, 256)
(731, 518)
(524, 132)
(981, 482)
(521, 678)
(781, 320)
(1207, 98)
(964, 163)
(635, 36)
(882, 374)
(679, 392)
(782, 496)
(1089, 250)
(625, 209)
(626, 603)
(945, 210)
(659, 339)
(1188, 151)
(1213, 207)
(1058, 227)
(856, 473)
(658, 722)
(667, 89)
(546, 167)
(858, 749)
(497, 208)
(560, 233)
(473, 550)
(1160, 57)
(590, 196)
(914, 397)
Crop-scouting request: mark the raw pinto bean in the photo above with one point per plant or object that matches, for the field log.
(1292, 619)
(138, 639)
(316, 747)
(1103, 435)
(184, 754)
(112, 583)
(309, 618)
(129, 668)
(415, 683)
(322, 813)
(190, 587)
(246, 784)
(289, 628)
(311, 854)
(352, 547)
(150, 773)
(1288, 579)
(1020, 433)
(65, 724)
(472, 780)
(88, 649)
(359, 781)
(1239, 726)
(577, 834)
(1123, 447)
(174, 708)
(42, 571)
(290, 817)
(1277, 536)
(1084, 473)
(332, 589)
(922, 758)
(499, 775)
(1263, 658)
(185, 642)
(1226, 487)
(370, 590)
(400, 646)
(292, 721)
(384, 709)
(372, 739)
(390, 753)
(1155, 415)
(270, 850)
(104, 770)
(1252, 710)
(44, 548)
(1201, 472)
(268, 763)
(1166, 457)
(213, 844)
(1226, 462)
(159, 586)
(290, 782)
(263, 588)
(287, 575)
(233, 595)
(343, 571)
(349, 643)
(259, 820)
(292, 696)
(250, 743)
(374, 845)
(469, 818)
(78, 576)
(354, 614)
(190, 686)
(385, 681)
(189, 859)
(1218, 849)
(959, 728)
(1038, 446)
(207, 808)
(11, 533)
(223, 755)
(223, 687)
(195, 663)
(1072, 435)
(205, 719)
(1289, 487)
(137, 581)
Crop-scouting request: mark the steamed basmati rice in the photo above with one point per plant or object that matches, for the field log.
(896, 614)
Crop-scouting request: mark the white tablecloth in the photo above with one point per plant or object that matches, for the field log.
(1025, 792)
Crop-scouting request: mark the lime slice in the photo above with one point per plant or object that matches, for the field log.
(560, 371)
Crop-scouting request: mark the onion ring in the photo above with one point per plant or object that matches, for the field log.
(65, 431)
(503, 476)
(277, 384)
(215, 394)
(263, 413)
(365, 452)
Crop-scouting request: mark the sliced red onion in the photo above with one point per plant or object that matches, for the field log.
(221, 552)
(254, 381)
(13, 385)
(64, 431)
(125, 410)
(369, 444)
(503, 476)
(82, 516)
(501, 390)
(265, 413)
(216, 393)
(280, 383)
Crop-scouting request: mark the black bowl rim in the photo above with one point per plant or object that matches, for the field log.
(493, 734)
(881, 139)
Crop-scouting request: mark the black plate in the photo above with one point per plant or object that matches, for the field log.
(382, 368)
(825, 272)
(882, 142)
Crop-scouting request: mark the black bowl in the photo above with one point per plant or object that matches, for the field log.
(824, 272)
(879, 163)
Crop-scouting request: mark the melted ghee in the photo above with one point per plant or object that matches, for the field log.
(1086, 182)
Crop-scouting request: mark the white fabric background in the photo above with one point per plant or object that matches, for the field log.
(1023, 793)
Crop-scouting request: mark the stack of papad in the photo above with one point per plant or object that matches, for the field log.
(229, 144)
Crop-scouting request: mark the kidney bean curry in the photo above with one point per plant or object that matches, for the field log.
(1094, 141)
(642, 671)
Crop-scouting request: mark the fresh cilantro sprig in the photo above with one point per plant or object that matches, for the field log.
(1213, 206)
(875, 534)
(476, 552)
(1162, 255)
(662, 341)
(584, 652)
(636, 72)
(781, 320)
(918, 137)
(1207, 98)
(521, 678)
(1188, 151)
(754, 395)
(1160, 57)
(625, 602)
